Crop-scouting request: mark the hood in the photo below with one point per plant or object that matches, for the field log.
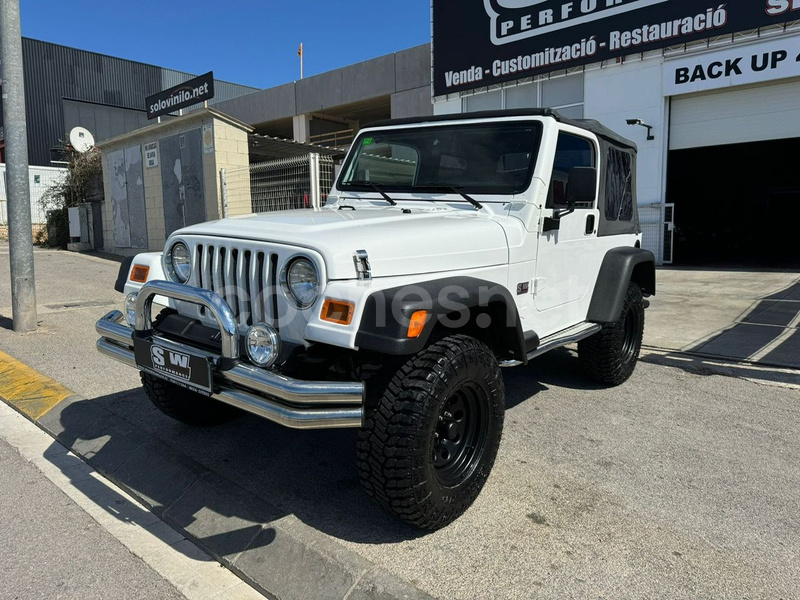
(425, 240)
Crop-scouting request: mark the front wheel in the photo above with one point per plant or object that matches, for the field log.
(610, 355)
(427, 448)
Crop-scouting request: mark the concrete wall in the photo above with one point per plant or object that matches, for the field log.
(230, 152)
(404, 76)
(412, 103)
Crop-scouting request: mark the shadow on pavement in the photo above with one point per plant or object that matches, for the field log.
(223, 484)
(250, 493)
(768, 333)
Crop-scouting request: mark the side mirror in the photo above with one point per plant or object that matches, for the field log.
(581, 186)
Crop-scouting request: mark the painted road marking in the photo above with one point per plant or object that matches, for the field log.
(27, 390)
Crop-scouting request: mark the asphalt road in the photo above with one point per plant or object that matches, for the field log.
(678, 484)
(53, 549)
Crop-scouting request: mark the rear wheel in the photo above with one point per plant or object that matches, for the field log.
(186, 406)
(428, 446)
(610, 355)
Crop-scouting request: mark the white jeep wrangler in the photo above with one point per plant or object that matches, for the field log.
(449, 247)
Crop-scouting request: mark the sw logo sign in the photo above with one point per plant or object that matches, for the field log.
(173, 363)
(515, 20)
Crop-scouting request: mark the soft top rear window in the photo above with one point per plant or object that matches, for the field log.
(486, 158)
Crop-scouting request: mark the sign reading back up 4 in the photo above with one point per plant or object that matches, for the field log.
(482, 42)
(739, 65)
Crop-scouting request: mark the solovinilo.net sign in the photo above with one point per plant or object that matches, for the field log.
(180, 96)
(753, 63)
(483, 42)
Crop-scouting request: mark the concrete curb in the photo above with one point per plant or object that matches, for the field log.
(275, 553)
(728, 367)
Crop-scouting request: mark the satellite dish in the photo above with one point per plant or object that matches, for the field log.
(81, 139)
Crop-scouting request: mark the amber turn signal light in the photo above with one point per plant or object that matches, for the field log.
(417, 323)
(139, 273)
(338, 311)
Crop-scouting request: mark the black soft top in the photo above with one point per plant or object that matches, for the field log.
(595, 127)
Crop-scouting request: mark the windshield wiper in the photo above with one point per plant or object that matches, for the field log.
(376, 188)
(457, 190)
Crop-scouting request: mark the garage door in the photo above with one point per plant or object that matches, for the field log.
(738, 115)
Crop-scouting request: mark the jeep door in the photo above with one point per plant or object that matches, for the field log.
(565, 265)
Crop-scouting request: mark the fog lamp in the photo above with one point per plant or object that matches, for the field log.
(130, 308)
(263, 344)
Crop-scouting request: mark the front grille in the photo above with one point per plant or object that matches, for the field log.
(247, 279)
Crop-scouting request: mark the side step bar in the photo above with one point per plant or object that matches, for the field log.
(574, 334)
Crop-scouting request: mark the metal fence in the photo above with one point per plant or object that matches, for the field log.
(657, 231)
(334, 139)
(41, 178)
(284, 184)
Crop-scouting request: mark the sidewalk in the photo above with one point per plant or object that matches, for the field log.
(51, 546)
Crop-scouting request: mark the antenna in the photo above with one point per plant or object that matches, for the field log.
(81, 139)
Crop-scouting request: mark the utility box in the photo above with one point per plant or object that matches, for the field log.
(79, 223)
(165, 176)
(80, 228)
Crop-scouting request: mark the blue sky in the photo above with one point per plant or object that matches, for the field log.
(245, 41)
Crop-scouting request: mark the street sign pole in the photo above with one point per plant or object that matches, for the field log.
(23, 286)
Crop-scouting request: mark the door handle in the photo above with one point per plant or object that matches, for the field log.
(590, 221)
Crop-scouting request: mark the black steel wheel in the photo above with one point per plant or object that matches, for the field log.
(610, 355)
(460, 438)
(429, 444)
(632, 328)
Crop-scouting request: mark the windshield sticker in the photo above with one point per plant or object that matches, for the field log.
(368, 142)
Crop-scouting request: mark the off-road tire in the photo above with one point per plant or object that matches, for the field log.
(186, 406)
(610, 355)
(396, 445)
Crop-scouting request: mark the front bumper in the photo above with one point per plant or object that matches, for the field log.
(291, 402)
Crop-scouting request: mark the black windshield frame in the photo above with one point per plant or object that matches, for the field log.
(397, 136)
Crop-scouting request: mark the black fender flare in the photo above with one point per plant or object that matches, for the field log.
(122, 276)
(387, 313)
(621, 266)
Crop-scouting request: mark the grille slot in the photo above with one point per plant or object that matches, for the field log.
(244, 278)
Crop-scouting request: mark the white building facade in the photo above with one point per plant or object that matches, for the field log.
(716, 119)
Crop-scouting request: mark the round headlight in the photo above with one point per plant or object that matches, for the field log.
(302, 282)
(263, 344)
(130, 308)
(179, 262)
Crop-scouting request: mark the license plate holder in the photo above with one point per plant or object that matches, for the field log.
(180, 367)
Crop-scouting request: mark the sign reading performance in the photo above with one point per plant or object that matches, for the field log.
(482, 42)
(182, 95)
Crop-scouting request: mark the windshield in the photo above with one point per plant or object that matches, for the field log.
(491, 158)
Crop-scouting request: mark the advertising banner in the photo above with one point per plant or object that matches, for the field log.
(482, 42)
(737, 65)
(182, 95)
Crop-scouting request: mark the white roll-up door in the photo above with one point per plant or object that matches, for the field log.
(737, 115)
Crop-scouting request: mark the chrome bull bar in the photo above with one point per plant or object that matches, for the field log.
(290, 402)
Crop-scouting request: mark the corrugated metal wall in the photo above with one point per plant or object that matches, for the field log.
(54, 73)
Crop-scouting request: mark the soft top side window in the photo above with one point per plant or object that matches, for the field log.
(571, 151)
(619, 185)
